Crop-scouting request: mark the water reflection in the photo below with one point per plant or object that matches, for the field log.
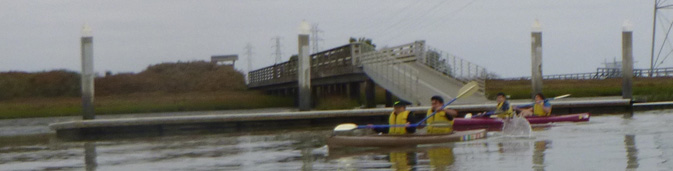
(90, 156)
(603, 143)
(441, 158)
(538, 154)
(631, 152)
(402, 160)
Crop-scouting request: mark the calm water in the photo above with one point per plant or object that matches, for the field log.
(604, 143)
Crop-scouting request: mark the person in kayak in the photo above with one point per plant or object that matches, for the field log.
(541, 107)
(502, 110)
(442, 121)
(399, 116)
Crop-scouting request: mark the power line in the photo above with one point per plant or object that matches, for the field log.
(277, 53)
(431, 24)
(417, 21)
(315, 38)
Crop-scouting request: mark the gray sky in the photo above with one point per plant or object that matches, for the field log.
(129, 35)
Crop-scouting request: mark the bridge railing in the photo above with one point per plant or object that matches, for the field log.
(605, 73)
(332, 62)
(401, 53)
(659, 72)
(454, 66)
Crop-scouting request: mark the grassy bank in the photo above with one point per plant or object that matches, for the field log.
(649, 89)
(141, 103)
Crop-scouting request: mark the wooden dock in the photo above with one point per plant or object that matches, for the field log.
(213, 122)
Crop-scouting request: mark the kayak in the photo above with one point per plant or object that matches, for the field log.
(465, 122)
(403, 140)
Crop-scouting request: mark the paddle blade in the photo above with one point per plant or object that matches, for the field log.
(468, 89)
(345, 127)
(561, 96)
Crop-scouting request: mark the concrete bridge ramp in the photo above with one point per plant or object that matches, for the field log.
(400, 71)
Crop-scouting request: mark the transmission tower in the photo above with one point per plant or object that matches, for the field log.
(248, 54)
(656, 58)
(277, 53)
(315, 38)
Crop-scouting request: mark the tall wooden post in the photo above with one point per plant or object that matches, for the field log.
(536, 59)
(304, 68)
(627, 66)
(87, 75)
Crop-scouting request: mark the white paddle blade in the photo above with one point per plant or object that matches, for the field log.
(345, 127)
(561, 96)
(468, 116)
(467, 90)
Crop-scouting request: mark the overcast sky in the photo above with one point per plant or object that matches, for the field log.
(578, 35)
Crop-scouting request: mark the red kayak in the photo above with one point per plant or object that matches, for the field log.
(495, 123)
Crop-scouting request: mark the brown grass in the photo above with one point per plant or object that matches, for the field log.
(141, 103)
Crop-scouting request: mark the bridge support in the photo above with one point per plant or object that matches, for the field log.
(389, 99)
(370, 94)
(354, 91)
(627, 66)
(536, 59)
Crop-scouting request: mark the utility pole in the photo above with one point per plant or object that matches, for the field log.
(654, 30)
(277, 53)
(248, 54)
(315, 38)
(655, 62)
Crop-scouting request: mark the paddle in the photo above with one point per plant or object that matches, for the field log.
(548, 99)
(466, 91)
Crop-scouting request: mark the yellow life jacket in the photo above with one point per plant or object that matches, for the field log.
(398, 119)
(439, 118)
(538, 110)
(503, 114)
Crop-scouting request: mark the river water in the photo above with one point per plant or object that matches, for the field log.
(605, 143)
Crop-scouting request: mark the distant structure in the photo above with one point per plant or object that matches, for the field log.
(277, 53)
(315, 38)
(613, 65)
(248, 54)
(224, 59)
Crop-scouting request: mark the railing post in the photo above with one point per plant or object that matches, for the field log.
(461, 68)
(453, 67)
(469, 75)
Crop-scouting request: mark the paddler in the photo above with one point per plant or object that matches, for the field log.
(541, 107)
(400, 116)
(442, 121)
(502, 109)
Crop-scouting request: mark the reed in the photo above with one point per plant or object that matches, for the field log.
(647, 89)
